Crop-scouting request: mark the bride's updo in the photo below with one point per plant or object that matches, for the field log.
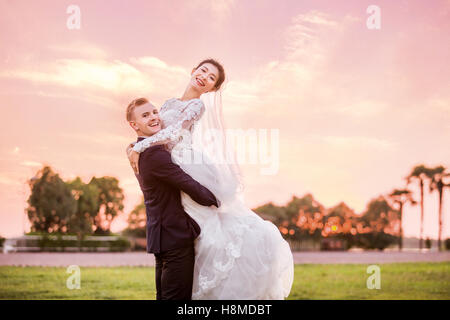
(219, 67)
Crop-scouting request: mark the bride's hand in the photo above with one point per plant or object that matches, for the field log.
(133, 157)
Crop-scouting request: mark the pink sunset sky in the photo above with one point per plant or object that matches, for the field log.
(357, 109)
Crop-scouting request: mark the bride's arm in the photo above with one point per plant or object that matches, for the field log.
(192, 112)
(134, 159)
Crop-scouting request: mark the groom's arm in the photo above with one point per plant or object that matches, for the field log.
(158, 162)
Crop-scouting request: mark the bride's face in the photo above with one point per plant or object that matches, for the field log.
(204, 78)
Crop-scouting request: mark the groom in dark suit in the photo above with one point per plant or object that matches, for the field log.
(170, 230)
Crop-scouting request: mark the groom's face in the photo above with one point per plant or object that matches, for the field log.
(146, 120)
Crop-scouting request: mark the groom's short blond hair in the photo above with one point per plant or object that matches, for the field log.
(133, 104)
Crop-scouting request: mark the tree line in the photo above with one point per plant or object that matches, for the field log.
(73, 207)
(77, 207)
(377, 227)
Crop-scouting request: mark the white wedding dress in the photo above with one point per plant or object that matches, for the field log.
(238, 255)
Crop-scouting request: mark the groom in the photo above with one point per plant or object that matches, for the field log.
(170, 230)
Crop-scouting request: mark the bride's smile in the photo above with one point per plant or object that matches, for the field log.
(204, 78)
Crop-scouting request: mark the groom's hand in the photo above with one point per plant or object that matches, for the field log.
(217, 205)
(133, 157)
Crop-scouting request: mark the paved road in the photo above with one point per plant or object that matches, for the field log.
(145, 259)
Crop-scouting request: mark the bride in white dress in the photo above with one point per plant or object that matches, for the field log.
(238, 255)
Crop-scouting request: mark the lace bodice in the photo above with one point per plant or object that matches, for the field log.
(177, 116)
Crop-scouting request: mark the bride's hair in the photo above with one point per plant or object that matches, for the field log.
(221, 77)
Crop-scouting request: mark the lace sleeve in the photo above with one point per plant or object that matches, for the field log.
(192, 112)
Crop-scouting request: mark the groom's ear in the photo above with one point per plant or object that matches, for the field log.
(133, 125)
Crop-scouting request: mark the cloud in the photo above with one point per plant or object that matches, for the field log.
(157, 64)
(8, 181)
(83, 73)
(286, 82)
(221, 10)
(99, 138)
(354, 142)
(31, 164)
(311, 35)
(104, 100)
(80, 49)
(298, 82)
(100, 80)
(363, 108)
(440, 104)
(314, 17)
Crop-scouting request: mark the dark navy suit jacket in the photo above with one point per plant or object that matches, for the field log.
(168, 225)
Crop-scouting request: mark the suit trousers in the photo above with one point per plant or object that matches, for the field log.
(174, 273)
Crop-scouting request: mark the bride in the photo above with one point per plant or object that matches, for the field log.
(238, 255)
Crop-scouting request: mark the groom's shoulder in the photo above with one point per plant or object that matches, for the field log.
(156, 154)
(154, 150)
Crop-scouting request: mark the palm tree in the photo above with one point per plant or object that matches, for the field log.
(419, 173)
(401, 196)
(436, 175)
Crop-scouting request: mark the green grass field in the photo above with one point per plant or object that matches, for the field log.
(398, 281)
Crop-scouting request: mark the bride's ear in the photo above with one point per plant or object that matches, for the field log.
(193, 70)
